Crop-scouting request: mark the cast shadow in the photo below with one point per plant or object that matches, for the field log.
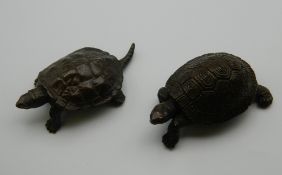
(70, 118)
(214, 130)
(38, 116)
(78, 118)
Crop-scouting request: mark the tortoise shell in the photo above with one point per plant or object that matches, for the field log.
(213, 87)
(87, 77)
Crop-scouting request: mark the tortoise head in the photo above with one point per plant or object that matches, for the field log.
(162, 112)
(33, 98)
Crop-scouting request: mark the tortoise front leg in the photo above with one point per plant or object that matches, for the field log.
(171, 138)
(163, 94)
(54, 123)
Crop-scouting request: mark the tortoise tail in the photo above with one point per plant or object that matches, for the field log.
(125, 60)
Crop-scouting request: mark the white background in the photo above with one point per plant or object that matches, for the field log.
(109, 141)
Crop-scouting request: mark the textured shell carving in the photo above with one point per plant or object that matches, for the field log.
(86, 77)
(214, 86)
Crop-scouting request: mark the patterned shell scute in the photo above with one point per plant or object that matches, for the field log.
(213, 87)
(87, 77)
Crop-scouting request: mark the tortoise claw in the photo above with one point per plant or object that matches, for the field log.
(170, 140)
(52, 126)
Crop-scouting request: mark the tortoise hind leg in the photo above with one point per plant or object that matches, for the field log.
(118, 99)
(54, 123)
(35, 81)
(263, 97)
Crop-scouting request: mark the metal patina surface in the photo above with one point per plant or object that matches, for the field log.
(88, 77)
(208, 89)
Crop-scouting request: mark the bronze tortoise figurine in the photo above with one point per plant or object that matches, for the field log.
(208, 89)
(88, 77)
